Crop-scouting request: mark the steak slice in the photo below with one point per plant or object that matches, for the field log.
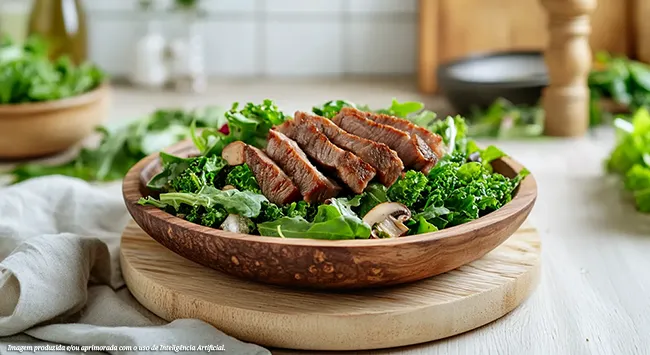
(387, 164)
(274, 183)
(414, 152)
(434, 141)
(313, 185)
(353, 171)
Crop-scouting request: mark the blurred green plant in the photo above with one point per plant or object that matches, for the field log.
(28, 75)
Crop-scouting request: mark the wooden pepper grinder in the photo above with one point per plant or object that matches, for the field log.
(568, 59)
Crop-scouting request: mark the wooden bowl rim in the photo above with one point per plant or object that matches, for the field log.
(78, 100)
(525, 195)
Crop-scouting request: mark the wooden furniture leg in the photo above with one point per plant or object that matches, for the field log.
(428, 45)
(568, 58)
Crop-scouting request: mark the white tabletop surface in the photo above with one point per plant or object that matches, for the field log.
(594, 295)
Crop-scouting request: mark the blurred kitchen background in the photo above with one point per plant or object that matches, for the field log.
(480, 58)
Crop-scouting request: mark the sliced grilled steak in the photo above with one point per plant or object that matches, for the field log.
(414, 152)
(387, 164)
(353, 171)
(274, 183)
(313, 185)
(433, 140)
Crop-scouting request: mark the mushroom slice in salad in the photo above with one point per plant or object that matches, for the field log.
(387, 220)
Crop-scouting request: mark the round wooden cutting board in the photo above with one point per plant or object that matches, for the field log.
(452, 303)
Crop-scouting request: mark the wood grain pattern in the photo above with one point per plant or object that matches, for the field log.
(435, 308)
(37, 129)
(327, 264)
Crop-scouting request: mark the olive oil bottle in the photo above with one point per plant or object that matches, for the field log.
(62, 24)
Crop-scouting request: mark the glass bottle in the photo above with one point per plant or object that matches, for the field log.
(62, 23)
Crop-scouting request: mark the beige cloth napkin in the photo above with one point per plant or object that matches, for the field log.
(60, 281)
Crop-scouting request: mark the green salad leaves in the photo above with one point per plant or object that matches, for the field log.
(123, 145)
(631, 157)
(28, 75)
(205, 190)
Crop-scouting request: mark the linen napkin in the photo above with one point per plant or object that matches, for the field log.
(60, 283)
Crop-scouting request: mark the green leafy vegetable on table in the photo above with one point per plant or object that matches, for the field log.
(631, 157)
(124, 145)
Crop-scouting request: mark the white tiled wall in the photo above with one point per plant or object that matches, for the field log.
(275, 37)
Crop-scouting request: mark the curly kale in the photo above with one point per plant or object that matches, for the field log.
(200, 171)
(300, 209)
(408, 189)
(271, 212)
(460, 192)
(207, 216)
(214, 217)
(242, 178)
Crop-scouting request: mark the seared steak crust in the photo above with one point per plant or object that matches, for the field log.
(386, 162)
(313, 185)
(274, 183)
(409, 149)
(434, 141)
(350, 169)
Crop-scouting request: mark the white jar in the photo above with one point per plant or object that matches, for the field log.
(149, 65)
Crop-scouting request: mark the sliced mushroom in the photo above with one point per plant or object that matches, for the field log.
(236, 223)
(387, 220)
(228, 187)
(233, 153)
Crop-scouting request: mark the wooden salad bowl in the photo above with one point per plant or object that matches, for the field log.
(327, 264)
(38, 129)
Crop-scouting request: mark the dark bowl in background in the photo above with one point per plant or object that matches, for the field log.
(476, 81)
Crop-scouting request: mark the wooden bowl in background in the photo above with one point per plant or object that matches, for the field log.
(38, 129)
(327, 264)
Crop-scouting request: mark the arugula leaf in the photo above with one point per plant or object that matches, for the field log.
(173, 166)
(331, 108)
(403, 109)
(333, 221)
(251, 125)
(244, 203)
(373, 195)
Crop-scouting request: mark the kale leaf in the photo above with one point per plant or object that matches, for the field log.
(242, 178)
(408, 188)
